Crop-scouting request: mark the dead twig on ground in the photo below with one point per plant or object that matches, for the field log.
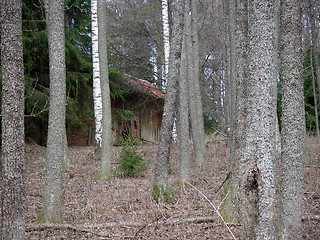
(224, 181)
(215, 209)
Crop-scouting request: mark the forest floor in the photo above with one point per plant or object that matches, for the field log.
(123, 208)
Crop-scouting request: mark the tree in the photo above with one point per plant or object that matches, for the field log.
(292, 119)
(166, 51)
(195, 102)
(232, 5)
(97, 100)
(314, 93)
(105, 164)
(253, 185)
(183, 98)
(314, 33)
(237, 147)
(261, 118)
(162, 163)
(13, 156)
(314, 48)
(51, 205)
(166, 36)
(134, 34)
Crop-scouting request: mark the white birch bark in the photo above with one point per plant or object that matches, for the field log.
(166, 36)
(97, 100)
(166, 50)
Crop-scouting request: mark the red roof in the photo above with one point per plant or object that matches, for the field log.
(145, 86)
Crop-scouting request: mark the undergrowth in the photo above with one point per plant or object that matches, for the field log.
(131, 162)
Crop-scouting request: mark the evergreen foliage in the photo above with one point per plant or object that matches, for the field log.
(78, 63)
(131, 161)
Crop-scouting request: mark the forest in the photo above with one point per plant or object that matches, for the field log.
(198, 119)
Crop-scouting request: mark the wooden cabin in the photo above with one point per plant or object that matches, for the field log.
(146, 102)
(143, 99)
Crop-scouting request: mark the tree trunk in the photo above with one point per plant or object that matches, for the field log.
(97, 99)
(314, 95)
(315, 45)
(166, 36)
(233, 58)
(195, 102)
(258, 178)
(162, 164)
(105, 164)
(51, 205)
(293, 119)
(238, 138)
(227, 95)
(13, 205)
(183, 108)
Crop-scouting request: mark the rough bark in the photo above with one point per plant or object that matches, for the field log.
(97, 99)
(162, 163)
(233, 58)
(260, 154)
(227, 95)
(105, 163)
(195, 102)
(292, 120)
(13, 205)
(238, 141)
(51, 205)
(183, 94)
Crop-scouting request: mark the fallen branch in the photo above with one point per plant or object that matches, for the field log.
(173, 221)
(61, 226)
(88, 228)
(79, 228)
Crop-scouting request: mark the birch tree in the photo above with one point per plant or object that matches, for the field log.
(13, 197)
(292, 120)
(51, 205)
(97, 99)
(166, 36)
(105, 163)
